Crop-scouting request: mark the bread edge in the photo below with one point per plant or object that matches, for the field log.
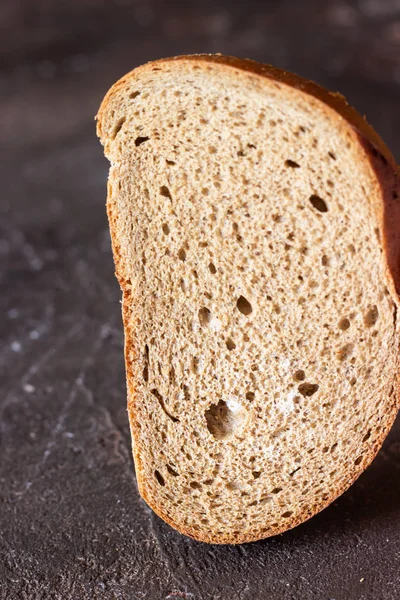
(388, 176)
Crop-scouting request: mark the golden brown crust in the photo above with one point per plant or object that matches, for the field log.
(388, 177)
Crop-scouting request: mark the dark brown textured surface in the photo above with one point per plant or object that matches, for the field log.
(71, 522)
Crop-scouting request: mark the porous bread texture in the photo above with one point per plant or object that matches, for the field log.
(261, 339)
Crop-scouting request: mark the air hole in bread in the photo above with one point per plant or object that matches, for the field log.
(244, 306)
(170, 162)
(231, 486)
(230, 344)
(146, 364)
(372, 316)
(367, 436)
(159, 477)
(292, 164)
(172, 471)
(325, 261)
(308, 389)
(256, 474)
(294, 472)
(225, 419)
(134, 95)
(164, 191)
(358, 460)
(195, 364)
(195, 485)
(276, 490)
(118, 127)
(140, 140)
(318, 203)
(345, 351)
(332, 155)
(344, 324)
(166, 228)
(250, 396)
(212, 268)
(182, 254)
(287, 514)
(205, 316)
(299, 375)
(265, 500)
(160, 399)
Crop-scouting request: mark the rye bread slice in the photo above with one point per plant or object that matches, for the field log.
(255, 221)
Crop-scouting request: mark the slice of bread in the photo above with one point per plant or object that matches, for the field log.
(255, 223)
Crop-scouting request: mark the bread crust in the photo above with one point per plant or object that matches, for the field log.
(388, 177)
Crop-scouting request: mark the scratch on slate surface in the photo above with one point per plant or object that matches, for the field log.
(78, 383)
(37, 365)
(19, 240)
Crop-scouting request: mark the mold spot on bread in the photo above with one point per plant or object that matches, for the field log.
(226, 419)
(244, 306)
(141, 140)
(318, 203)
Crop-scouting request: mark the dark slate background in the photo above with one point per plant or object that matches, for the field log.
(71, 523)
